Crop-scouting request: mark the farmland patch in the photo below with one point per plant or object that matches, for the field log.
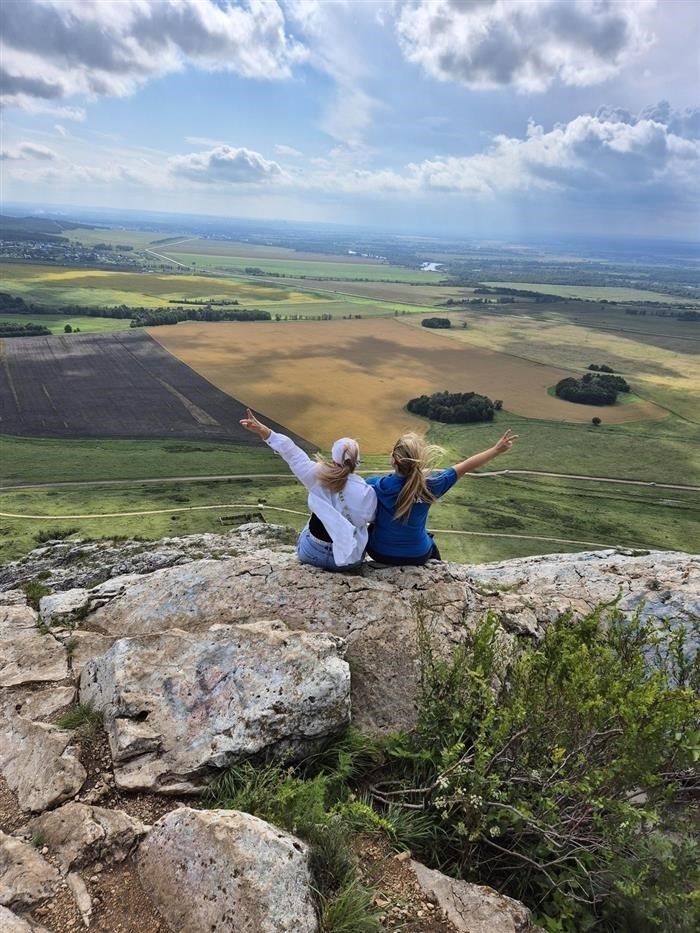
(116, 385)
(594, 292)
(336, 377)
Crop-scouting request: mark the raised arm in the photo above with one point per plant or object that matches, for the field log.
(477, 460)
(299, 462)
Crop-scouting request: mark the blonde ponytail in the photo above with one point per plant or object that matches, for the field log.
(414, 459)
(334, 475)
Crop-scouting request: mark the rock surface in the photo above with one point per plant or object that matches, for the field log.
(26, 655)
(178, 704)
(25, 877)
(231, 871)
(39, 762)
(11, 923)
(77, 834)
(37, 704)
(474, 908)
(63, 608)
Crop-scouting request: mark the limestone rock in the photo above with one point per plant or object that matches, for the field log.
(83, 647)
(25, 877)
(77, 834)
(11, 923)
(474, 908)
(26, 655)
(39, 762)
(81, 896)
(63, 608)
(37, 704)
(230, 871)
(178, 704)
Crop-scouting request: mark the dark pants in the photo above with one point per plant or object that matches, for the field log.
(433, 554)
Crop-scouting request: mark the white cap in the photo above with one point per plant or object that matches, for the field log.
(345, 448)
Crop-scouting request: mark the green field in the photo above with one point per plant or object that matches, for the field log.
(56, 322)
(62, 285)
(583, 513)
(303, 268)
(595, 292)
(663, 451)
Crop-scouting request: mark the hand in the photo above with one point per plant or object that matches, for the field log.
(251, 423)
(505, 443)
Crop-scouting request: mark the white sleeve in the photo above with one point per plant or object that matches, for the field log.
(299, 462)
(368, 503)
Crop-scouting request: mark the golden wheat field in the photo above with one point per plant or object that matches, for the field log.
(322, 379)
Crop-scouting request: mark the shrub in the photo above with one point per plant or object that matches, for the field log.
(437, 322)
(84, 718)
(558, 778)
(34, 590)
(54, 534)
(596, 421)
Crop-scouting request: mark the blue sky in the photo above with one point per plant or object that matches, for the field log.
(476, 117)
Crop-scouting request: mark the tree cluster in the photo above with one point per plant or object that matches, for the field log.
(591, 389)
(453, 407)
(13, 329)
(151, 317)
(437, 322)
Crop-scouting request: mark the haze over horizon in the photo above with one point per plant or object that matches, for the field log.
(485, 118)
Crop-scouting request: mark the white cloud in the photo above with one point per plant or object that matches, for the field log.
(54, 49)
(61, 130)
(527, 44)
(290, 151)
(595, 157)
(28, 151)
(225, 165)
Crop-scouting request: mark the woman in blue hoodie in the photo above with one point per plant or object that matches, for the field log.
(399, 534)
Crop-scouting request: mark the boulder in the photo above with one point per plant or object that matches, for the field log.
(222, 870)
(26, 655)
(25, 877)
(178, 704)
(474, 908)
(77, 834)
(64, 609)
(39, 762)
(384, 608)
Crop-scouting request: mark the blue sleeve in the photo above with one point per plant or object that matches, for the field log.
(439, 483)
(373, 480)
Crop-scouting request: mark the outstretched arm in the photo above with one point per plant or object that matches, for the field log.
(299, 462)
(473, 463)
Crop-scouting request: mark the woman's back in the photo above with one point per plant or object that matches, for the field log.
(407, 537)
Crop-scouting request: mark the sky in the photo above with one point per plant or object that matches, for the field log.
(472, 117)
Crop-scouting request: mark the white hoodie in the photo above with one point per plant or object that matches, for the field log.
(345, 519)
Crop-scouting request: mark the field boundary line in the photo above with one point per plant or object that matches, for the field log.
(274, 508)
(223, 477)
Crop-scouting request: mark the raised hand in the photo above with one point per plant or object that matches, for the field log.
(505, 442)
(251, 423)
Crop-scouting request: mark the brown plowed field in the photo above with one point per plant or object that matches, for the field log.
(324, 379)
(110, 385)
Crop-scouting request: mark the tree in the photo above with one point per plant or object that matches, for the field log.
(67, 329)
(596, 421)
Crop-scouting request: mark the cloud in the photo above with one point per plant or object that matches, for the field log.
(28, 151)
(683, 123)
(611, 155)
(526, 44)
(61, 130)
(53, 49)
(290, 151)
(225, 165)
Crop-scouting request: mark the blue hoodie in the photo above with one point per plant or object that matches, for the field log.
(407, 537)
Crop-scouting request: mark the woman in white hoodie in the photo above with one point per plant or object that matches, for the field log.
(342, 504)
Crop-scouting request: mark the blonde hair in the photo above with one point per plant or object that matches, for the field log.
(334, 475)
(414, 460)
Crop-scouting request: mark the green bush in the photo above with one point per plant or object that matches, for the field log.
(34, 590)
(559, 777)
